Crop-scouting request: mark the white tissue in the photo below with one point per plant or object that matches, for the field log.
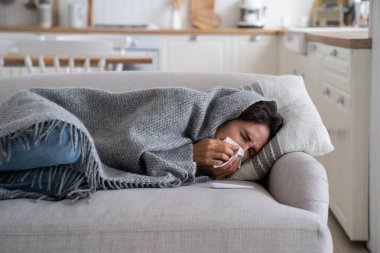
(230, 186)
(239, 152)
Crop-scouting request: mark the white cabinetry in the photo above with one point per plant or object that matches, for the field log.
(294, 63)
(344, 107)
(337, 80)
(290, 62)
(255, 54)
(219, 53)
(195, 53)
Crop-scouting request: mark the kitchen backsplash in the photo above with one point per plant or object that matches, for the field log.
(157, 12)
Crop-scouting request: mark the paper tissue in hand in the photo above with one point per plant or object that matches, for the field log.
(239, 152)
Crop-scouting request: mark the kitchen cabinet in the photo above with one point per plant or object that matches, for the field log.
(208, 53)
(290, 62)
(223, 53)
(313, 63)
(344, 91)
(254, 54)
(338, 81)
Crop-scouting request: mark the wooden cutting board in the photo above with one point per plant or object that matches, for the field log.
(202, 14)
(205, 19)
(201, 4)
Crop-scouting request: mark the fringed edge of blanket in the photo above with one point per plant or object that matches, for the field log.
(75, 182)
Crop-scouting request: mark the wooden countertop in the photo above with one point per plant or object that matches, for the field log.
(14, 59)
(342, 39)
(219, 31)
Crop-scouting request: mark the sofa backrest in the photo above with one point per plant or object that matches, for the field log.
(125, 81)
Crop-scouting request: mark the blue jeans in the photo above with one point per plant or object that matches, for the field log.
(61, 146)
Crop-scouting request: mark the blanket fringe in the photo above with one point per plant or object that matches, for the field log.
(55, 182)
(74, 182)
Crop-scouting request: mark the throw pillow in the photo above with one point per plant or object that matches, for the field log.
(303, 128)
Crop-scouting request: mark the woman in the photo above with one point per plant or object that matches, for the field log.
(251, 131)
(70, 142)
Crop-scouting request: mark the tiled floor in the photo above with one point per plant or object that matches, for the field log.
(342, 243)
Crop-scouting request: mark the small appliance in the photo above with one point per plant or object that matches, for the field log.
(77, 16)
(361, 13)
(252, 14)
(330, 13)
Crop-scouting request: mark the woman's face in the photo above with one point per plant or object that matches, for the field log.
(250, 136)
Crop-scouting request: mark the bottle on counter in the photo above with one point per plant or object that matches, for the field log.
(77, 17)
(175, 22)
(44, 13)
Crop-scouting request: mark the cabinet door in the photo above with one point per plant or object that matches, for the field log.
(313, 83)
(285, 62)
(195, 53)
(254, 54)
(347, 165)
(291, 63)
(336, 113)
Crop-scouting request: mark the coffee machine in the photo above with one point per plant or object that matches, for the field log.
(329, 13)
(252, 14)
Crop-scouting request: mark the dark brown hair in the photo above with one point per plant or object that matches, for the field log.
(263, 112)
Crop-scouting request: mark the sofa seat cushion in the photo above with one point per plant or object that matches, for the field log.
(194, 218)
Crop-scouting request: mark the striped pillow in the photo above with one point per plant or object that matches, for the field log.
(303, 128)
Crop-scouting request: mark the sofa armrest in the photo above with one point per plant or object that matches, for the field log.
(300, 181)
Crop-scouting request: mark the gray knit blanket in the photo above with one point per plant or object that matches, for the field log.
(131, 139)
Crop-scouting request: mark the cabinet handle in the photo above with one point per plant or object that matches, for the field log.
(193, 38)
(289, 38)
(334, 53)
(254, 38)
(326, 92)
(134, 43)
(340, 100)
(315, 47)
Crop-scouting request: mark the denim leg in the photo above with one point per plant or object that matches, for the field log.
(58, 148)
(46, 180)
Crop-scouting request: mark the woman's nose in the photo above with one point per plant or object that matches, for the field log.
(245, 147)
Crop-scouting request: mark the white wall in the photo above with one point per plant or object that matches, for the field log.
(157, 11)
(17, 14)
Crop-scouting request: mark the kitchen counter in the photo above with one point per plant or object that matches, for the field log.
(341, 39)
(219, 31)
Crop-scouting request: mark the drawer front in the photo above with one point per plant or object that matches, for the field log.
(337, 79)
(295, 42)
(339, 52)
(334, 98)
(316, 47)
(338, 65)
(336, 68)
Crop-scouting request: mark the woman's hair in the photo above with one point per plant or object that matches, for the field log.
(263, 113)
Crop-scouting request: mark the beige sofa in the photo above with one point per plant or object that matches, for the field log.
(285, 213)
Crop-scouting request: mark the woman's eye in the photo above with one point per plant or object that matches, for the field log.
(245, 139)
(252, 152)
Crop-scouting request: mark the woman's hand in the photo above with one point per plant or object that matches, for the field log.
(221, 172)
(210, 152)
